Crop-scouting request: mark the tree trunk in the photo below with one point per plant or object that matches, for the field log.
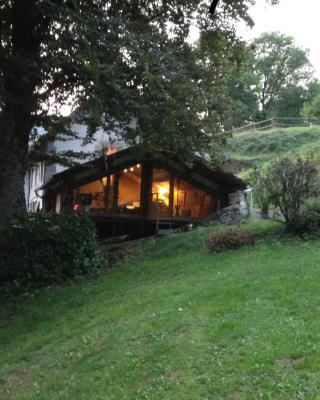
(21, 75)
(13, 164)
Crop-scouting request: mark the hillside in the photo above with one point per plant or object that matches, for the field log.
(254, 148)
(177, 324)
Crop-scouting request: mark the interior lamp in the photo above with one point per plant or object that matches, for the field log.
(163, 190)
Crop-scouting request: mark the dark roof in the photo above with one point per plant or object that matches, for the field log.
(196, 172)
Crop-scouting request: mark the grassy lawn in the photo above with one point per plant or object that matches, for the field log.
(180, 324)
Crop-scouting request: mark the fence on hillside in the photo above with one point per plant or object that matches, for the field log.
(283, 122)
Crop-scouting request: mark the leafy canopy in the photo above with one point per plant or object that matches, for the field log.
(278, 63)
(118, 62)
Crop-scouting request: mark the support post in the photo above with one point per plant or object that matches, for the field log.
(146, 188)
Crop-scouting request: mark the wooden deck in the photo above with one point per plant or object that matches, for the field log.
(133, 226)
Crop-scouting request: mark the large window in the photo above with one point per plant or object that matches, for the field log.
(120, 193)
(177, 198)
(90, 198)
(190, 202)
(129, 188)
(160, 196)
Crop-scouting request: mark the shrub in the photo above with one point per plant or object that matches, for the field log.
(288, 183)
(47, 248)
(309, 217)
(228, 239)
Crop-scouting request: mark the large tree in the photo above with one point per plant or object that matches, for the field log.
(116, 61)
(279, 64)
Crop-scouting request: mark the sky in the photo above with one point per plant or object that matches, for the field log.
(297, 18)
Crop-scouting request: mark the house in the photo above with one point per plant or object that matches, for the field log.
(41, 172)
(136, 193)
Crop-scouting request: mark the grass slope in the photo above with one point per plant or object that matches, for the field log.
(255, 148)
(181, 324)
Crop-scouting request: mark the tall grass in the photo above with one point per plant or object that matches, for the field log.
(275, 140)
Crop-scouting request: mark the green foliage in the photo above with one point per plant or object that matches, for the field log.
(243, 100)
(273, 78)
(254, 150)
(261, 195)
(299, 99)
(312, 109)
(279, 64)
(309, 216)
(288, 183)
(228, 239)
(277, 141)
(47, 248)
(115, 62)
(290, 102)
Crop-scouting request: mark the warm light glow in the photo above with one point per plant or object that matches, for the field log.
(138, 165)
(131, 169)
(176, 196)
(125, 170)
(163, 190)
(111, 150)
(104, 180)
(76, 207)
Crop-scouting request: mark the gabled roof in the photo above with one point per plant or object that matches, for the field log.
(196, 172)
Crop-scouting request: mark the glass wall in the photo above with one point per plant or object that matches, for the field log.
(129, 188)
(190, 202)
(174, 198)
(168, 197)
(90, 198)
(160, 196)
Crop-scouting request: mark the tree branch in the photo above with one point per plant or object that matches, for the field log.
(213, 6)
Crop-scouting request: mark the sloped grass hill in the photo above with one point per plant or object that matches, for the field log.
(254, 148)
(178, 324)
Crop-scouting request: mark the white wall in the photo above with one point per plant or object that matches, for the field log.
(102, 140)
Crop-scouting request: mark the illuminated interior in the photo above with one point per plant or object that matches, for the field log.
(123, 195)
(90, 197)
(190, 202)
(129, 190)
(160, 204)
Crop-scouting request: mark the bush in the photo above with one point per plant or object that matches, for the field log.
(288, 182)
(228, 239)
(47, 248)
(309, 218)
